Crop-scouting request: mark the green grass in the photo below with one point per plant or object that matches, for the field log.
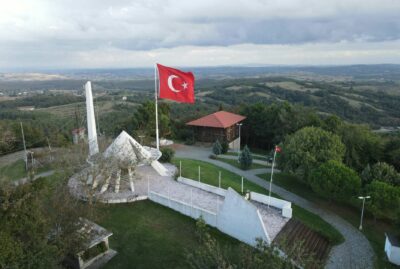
(373, 230)
(148, 235)
(209, 175)
(237, 164)
(13, 171)
(17, 171)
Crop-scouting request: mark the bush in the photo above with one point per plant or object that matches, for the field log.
(167, 155)
(381, 171)
(225, 146)
(217, 148)
(385, 200)
(213, 156)
(245, 158)
(334, 180)
(189, 141)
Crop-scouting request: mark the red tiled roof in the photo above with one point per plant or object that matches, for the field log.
(220, 119)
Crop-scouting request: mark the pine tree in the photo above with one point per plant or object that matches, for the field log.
(217, 148)
(245, 158)
(224, 146)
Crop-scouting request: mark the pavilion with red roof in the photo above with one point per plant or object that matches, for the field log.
(220, 125)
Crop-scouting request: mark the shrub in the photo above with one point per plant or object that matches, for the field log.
(225, 146)
(385, 200)
(335, 180)
(189, 141)
(381, 171)
(217, 148)
(245, 158)
(167, 155)
(213, 156)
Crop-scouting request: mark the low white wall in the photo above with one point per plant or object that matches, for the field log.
(186, 209)
(241, 219)
(203, 186)
(284, 205)
(235, 144)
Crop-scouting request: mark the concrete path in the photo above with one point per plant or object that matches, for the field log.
(230, 157)
(26, 179)
(355, 253)
(16, 156)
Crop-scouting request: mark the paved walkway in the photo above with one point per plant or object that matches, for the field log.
(231, 157)
(26, 179)
(355, 253)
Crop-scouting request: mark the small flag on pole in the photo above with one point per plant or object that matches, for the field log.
(278, 149)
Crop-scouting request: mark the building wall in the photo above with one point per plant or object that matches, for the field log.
(210, 134)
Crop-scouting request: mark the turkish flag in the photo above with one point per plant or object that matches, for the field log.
(176, 84)
(278, 149)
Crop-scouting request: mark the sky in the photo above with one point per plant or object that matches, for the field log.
(58, 34)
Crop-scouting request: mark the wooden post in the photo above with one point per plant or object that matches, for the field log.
(180, 168)
(242, 184)
(219, 179)
(199, 173)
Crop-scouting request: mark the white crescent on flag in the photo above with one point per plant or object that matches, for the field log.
(171, 87)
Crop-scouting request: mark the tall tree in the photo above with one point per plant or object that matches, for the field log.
(308, 148)
(335, 181)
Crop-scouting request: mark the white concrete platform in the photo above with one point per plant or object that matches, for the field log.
(149, 180)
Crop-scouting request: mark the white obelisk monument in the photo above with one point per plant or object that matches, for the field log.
(92, 133)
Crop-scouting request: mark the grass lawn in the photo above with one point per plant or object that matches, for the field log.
(237, 164)
(17, 171)
(209, 175)
(148, 235)
(373, 230)
(13, 171)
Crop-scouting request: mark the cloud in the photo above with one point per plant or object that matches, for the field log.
(64, 30)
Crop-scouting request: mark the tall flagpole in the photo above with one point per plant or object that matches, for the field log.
(270, 182)
(155, 94)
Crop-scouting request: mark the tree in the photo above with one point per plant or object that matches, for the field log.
(267, 125)
(392, 151)
(224, 146)
(39, 224)
(144, 118)
(381, 171)
(245, 158)
(362, 145)
(334, 180)
(217, 148)
(385, 200)
(307, 149)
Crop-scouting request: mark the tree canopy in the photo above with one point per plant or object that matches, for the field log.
(334, 180)
(309, 147)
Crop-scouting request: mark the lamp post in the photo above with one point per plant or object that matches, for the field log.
(362, 210)
(240, 125)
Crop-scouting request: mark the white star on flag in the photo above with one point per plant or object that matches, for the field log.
(184, 85)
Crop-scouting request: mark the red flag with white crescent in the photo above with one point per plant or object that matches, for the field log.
(175, 84)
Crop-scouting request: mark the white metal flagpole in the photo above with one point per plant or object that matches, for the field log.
(270, 182)
(155, 94)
